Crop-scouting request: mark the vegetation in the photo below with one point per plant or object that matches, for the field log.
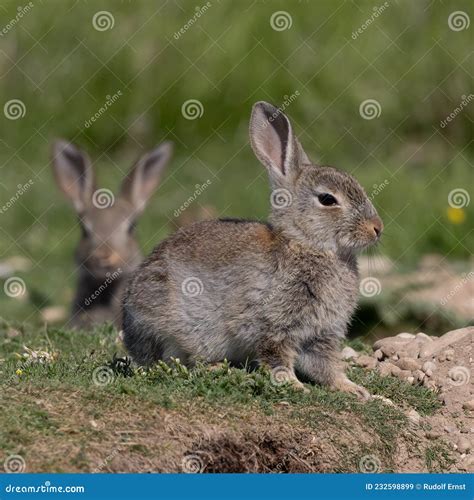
(88, 371)
(64, 71)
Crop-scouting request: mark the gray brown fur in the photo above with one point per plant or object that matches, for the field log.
(108, 251)
(281, 293)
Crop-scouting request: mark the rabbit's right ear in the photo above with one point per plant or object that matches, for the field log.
(73, 172)
(274, 142)
(143, 179)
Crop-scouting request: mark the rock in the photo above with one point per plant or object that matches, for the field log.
(419, 375)
(404, 374)
(441, 397)
(386, 368)
(348, 353)
(410, 380)
(411, 349)
(434, 348)
(366, 361)
(449, 354)
(464, 445)
(431, 384)
(449, 429)
(414, 417)
(378, 354)
(467, 464)
(399, 347)
(432, 434)
(408, 364)
(53, 314)
(429, 366)
(469, 405)
(423, 337)
(384, 399)
(405, 335)
(389, 345)
(10, 266)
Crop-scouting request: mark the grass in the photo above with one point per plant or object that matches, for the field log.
(89, 371)
(438, 457)
(228, 60)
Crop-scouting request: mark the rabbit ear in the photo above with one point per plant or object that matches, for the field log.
(273, 141)
(73, 172)
(145, 175)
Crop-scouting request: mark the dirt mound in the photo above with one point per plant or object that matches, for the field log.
(442, 364)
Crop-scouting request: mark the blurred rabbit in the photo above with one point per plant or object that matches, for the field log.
(108, 250)
(279, 293)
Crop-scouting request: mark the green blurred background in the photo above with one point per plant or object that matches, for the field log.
(63, 69)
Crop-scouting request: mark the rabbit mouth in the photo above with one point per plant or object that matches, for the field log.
(351, 243)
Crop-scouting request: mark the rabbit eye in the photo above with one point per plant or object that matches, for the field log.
(327, 199)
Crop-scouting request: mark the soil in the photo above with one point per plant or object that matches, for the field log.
(443, 365)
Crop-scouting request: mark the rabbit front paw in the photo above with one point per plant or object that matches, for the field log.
(342, 383)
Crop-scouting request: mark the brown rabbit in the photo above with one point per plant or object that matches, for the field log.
(108, 250)
(279, 293)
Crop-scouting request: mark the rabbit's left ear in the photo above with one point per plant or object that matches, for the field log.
(274, 143)
(145, 176)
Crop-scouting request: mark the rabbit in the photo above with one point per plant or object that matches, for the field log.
(202, 212)
(108, 250)
(279, 293)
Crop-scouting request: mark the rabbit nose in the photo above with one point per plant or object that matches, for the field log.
(377, 226)
(108, 258)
